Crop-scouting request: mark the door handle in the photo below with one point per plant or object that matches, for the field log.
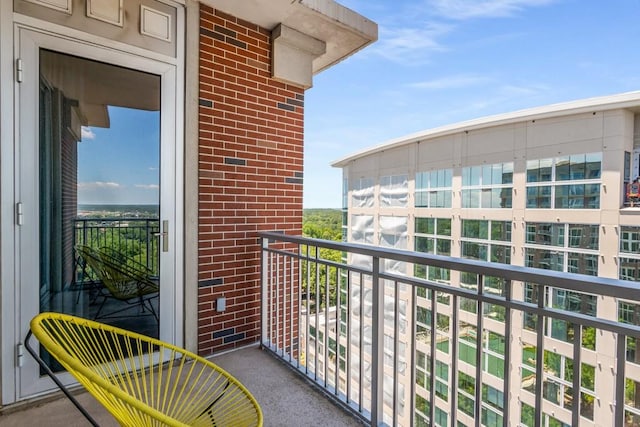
(164, 235)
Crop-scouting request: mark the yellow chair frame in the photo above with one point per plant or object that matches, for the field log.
(140, 380)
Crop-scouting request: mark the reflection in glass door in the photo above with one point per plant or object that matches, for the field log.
(99, 203)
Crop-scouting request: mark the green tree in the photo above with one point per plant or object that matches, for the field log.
(318, 277)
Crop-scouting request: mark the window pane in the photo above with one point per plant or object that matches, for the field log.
(487, 175)
(507, 173)
(424, 225)
(583, 236)
(501, 230)
(577, 166)
(476, 251)
(593, 165)
(562, 169)
(545, 259)
(444, 227)
(475, 175)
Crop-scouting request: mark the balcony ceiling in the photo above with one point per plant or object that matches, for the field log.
(343, 30)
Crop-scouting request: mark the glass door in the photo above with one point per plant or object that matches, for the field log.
(94, 219)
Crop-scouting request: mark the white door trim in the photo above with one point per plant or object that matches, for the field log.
(172, 99)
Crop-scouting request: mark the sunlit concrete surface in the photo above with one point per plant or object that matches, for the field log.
(285, 398)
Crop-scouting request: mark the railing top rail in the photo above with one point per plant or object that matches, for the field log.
(569, 281)
(133, 218)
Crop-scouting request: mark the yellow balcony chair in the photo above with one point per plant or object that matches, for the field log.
(140, 380)
(121, 281)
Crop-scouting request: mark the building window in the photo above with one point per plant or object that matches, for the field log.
(432, 236)
(492, 406)
(629, 313)
(561, 299)
(572, 248)
(629, 259)
(442, 380)
(485, 240)
(492, 358)
(362, 229)
(393, 231)
(345, 209)
(362, 193)
(629, 265)
(433, 189)
(423, 379)
(568, 182)
(557, 386)
(466, 393)
(394, 191)
(487, 186)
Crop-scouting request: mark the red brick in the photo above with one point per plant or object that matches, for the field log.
(238, 201)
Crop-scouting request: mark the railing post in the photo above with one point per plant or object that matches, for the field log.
(377, 346)
(264, 283)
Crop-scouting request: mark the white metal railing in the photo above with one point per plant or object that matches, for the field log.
(355, 321)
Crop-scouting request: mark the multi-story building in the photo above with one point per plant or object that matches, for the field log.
(548, 188)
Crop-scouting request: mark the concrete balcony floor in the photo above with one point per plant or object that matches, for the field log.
(285, 398)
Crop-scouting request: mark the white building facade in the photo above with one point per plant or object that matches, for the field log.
(544, 188)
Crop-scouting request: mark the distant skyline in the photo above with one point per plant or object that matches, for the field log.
(439, 62)
(120, 164)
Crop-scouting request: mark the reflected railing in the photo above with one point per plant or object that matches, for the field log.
(521, 346)
(135, 238)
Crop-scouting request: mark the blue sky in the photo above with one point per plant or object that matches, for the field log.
(439, 62)
(119, 164)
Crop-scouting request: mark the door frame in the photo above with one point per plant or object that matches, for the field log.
(51, 36)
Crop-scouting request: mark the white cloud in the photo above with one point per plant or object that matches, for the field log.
(468, 9)
(413, 41)
(153, 168)
(404, 44)
(147, 186)
(87, 133)
(451, 82)
(98, 185)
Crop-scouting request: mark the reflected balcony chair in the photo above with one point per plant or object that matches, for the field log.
(140, 380)
(121, 282)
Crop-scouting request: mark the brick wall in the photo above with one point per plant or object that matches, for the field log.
(250, 173)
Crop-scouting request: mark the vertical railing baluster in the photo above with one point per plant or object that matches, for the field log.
(307, 310)
(413, 303)
(348, 333)
(507, 355)
(327, 331)
(283, 290)
(432, 324)
(453, 325)
(377, 346)
(316, 307)
(264, 292)
(272, 317)
(539, 355)
(479, 349)
(396, 331)
(338, 334)
(277, 303)
(292, 281)
(621, 356)
(360, 345)
(577, 371)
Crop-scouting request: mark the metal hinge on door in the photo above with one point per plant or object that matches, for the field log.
(19, 70)
(19, 355)
(19, 214)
